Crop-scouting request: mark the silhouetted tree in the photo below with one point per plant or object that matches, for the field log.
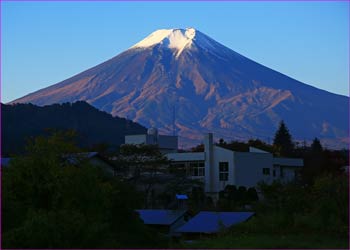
(260, 145)
(283, 141)
(316, 146)
(198, 148)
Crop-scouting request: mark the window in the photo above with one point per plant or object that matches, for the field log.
(266, 171)
(177, 168)
(223, 171)
(197, 168)
(281, 172)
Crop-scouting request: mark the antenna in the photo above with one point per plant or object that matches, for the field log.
(174, 127)
(127, 122)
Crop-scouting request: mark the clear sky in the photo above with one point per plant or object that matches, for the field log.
(43, 43)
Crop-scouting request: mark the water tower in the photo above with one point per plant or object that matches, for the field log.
(152, 136)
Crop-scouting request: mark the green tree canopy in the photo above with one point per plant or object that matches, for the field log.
(50, 201)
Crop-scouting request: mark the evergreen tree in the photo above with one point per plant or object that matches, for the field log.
(283, 141)
(316, 146)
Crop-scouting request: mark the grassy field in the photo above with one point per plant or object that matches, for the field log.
(271, 241)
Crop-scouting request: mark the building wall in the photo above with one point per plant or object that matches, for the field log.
(286, 173)
(244, 168)
(249, 168)
(192, 156)
(285, 168)
(168, 142)
(223, 155)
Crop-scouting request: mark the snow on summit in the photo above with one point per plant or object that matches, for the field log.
(178, 39)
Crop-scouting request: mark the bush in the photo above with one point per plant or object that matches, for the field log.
(322, 207)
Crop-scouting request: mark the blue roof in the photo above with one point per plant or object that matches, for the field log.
(212, 222)
(160, 216)
(5, 162)
(181, 197)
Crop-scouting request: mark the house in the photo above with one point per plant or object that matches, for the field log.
(166, 143)
(218, 167)
(96, 159)
(165, 221)
(207, 223)
(93, 158)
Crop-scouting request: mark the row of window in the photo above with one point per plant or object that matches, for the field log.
(198, 169)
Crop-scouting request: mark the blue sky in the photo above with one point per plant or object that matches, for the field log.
(43, 43)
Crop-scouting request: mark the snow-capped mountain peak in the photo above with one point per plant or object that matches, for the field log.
(177, 39)
(211, 88)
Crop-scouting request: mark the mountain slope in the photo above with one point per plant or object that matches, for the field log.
(210, 87)
(23, 121)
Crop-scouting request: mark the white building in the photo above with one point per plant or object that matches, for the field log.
(166, 143)
(218, 167)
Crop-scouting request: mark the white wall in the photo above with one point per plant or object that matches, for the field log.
(249, 168)
(195, 156)
(223, 155)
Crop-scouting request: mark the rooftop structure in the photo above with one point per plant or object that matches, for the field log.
(166, 143)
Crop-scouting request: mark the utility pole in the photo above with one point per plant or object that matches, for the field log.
(174, 126)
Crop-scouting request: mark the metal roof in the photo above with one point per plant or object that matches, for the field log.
(181, 197)
(212, 222)
(5, 162)
(160, 216)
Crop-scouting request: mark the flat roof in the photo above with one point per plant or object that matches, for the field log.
(290, 162)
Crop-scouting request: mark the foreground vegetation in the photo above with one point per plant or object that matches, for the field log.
(261, 240)
(293, 216)
(53, 199)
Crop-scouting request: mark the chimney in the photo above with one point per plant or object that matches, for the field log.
(209, 163)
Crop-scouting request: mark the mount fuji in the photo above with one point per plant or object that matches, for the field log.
(182, 80)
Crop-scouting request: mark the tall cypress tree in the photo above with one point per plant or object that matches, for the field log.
(283, 141)
(316, 146)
